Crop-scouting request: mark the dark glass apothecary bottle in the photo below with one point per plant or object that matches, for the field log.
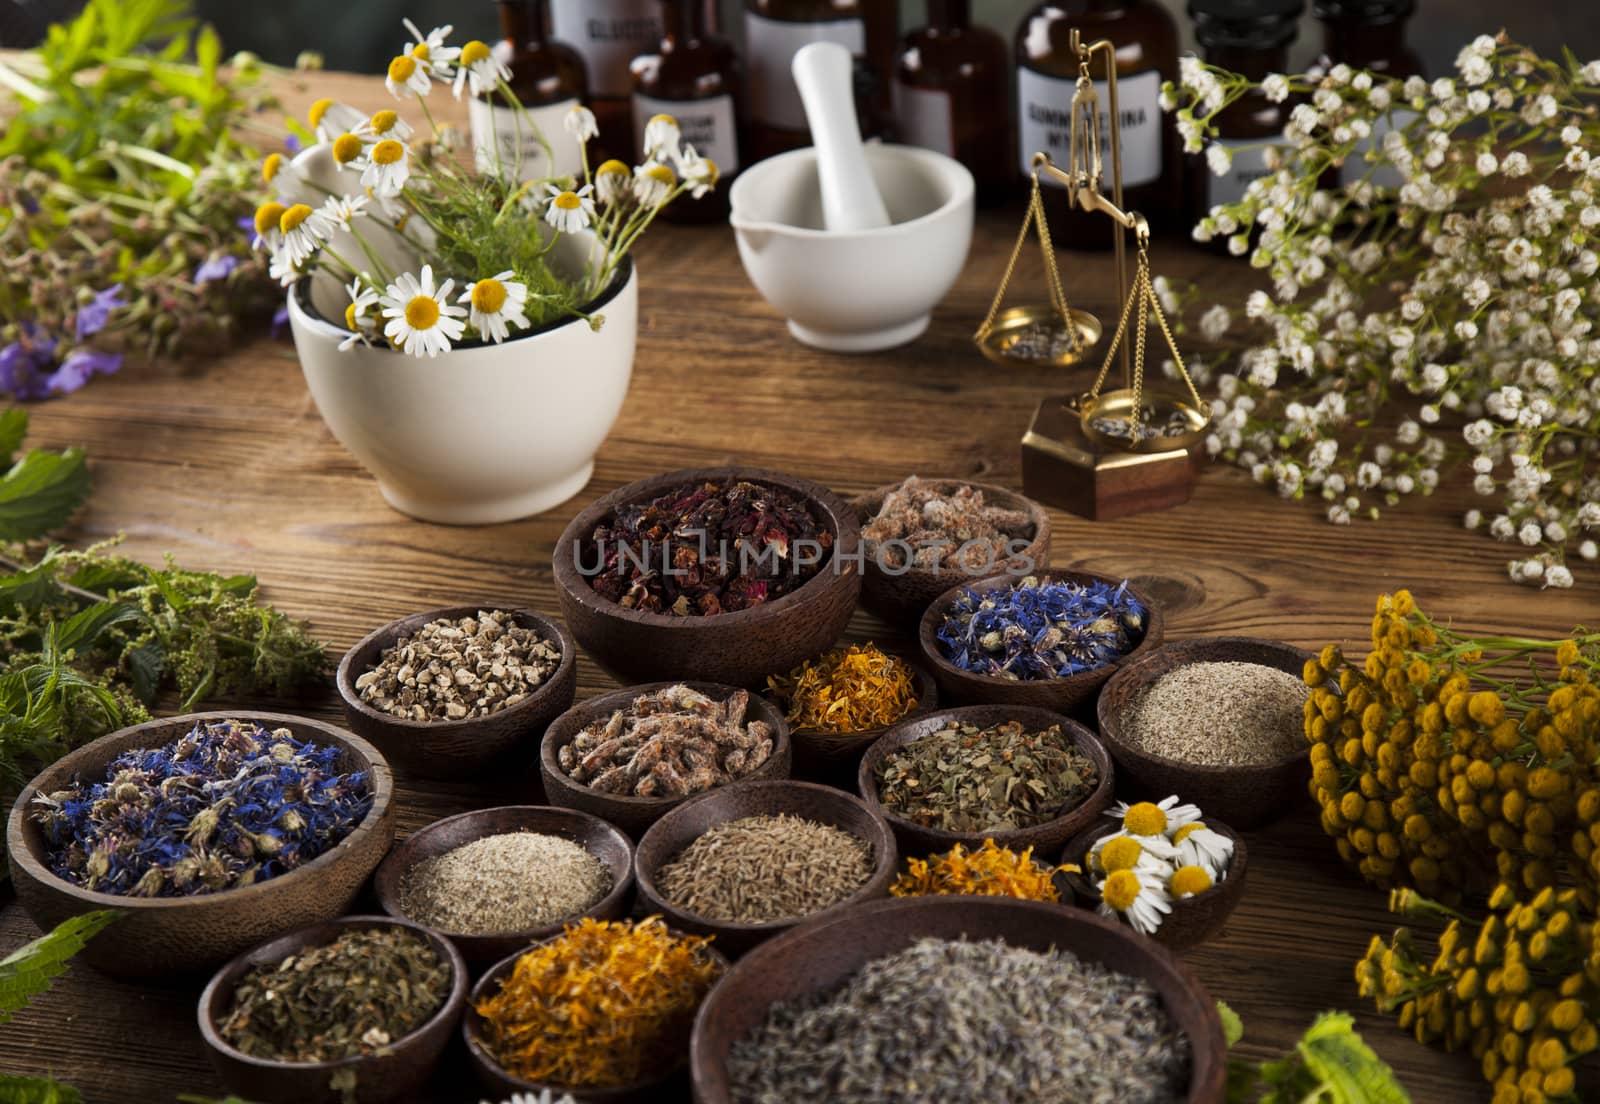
(950, 95)
(609, 34)
(549, 79)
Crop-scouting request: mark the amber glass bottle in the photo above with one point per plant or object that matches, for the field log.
(1370, 34)
(693, 76)
(775, 29)
(609, 34)
(549, 78)
(1146, 40)
(1251, 38)
(950, 95)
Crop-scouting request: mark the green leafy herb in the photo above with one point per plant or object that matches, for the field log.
(36, 1090)
(42, 490)
(29, 970)
(1331, 1064)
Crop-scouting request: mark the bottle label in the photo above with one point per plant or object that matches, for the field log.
(709, 125)
(770, 46)
(1044, 105)
(609, 34)
(924, 117)
(1249, 164)
(1356, 164)
(503, 128)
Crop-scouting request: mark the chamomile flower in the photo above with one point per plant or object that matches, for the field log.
(303, 233)
(480, 69)
(1202, 846)
(581, 123)
(359, 317)
(612, 181)
(652, 183)
(283, 269)
(407, 75)
(699, 173)
(268, 215)
(339, 212)
(430, 50)
(1120, 851)
(495, 302)
(1187, 881)
(1150, 819)
(387, 168)
(661, 137)
(330, 119)
(271, 167)
(422, 321)
(569, 211)
(1140, 899)
(347, 150)
(384, 124)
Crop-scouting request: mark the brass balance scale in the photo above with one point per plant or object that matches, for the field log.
(1100, 454)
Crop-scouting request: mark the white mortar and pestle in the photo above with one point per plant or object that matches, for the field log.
(855, 244)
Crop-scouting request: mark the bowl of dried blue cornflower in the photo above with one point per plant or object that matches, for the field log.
(208, 833)
(1048, 640)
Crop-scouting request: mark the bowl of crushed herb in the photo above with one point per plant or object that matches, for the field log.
(495, 880)
(987, 871)
(747, 862)
(602, 1011)
(1049, 640)
(350, 1011)
(904, 999)
(1022, 777)
(462, 691)
(632, 755)
(718, 574)
(921, 537)
(1220, 720)
(208, 833)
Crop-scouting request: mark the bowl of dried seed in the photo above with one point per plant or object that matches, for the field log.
(461, 691)
(495, 880)
(1218, 719)
(750, 860)
(632, 755)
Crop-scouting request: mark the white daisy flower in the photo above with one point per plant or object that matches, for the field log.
(661, 138)
(569, 211)
(303, 233)
(430, 49)
(407, 75)
(359, 317)
(479, 69)
(387, 168)
(612, 182)
(1187, 881)
(268, 236)
(699, 173)
(1150, 819)
(283, 269)
(652, 183)
(1140, 899)
(384, 124)
(422, 321)
(581, 123)
(1204, 847)
(328, 119)
(495, 302)
(1120, 851)
(339, 213)
(349, 150)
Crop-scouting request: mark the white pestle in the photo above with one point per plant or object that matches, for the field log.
(823, 71)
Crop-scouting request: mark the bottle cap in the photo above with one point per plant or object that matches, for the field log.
(1247, 24)
(1364, 11)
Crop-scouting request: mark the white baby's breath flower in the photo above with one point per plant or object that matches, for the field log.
(570, 211)
(1215, 321)
(479, 68)
(496, 303)
(1558, 576)
(1219, 158)
(1275, 87)
(422, 321)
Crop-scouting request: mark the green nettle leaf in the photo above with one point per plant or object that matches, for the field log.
(41, 492)
(29, 970)
(13, 428)
(36, 1090)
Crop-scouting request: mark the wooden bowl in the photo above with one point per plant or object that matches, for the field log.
(1045, 839)
(1193, 920)
(1062, 695)
(396, 1072)
(475, 745)
(823, 955)
(739, 648)
(668, 836)
(591, 833)
(834, 756)
(901, 597)
(634, 814)
(168, 937)
(670, 1085)
(1250, 795)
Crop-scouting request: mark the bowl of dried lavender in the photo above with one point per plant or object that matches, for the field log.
(461, 691)
(1019, 776)
(923, 536)
(208, 832)
(356, 1010)
(1048, 640)
(718, 574)
(632, 755)
(746, 862)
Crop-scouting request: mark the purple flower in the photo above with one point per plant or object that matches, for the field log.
(23, 361)
(215, 267)
(280, 321)
(93, 315)
(291, 143)
(78, 367)
(247, 222)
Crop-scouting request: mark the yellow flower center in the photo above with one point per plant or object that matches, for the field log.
(1121, 890)
(346, 148)
(474, 52)
(612, 168)
(402, 68)
(271, 166)
(568, 201)
(267, 216)
(1189, 880)
(388, 152)
(422, 312)
(1186, 831)
(350, 317)
(318, 110)
(661, 173)
(293, 217)
(1120, 854)
(383, 122)
(488, 296)
(713, 174)
(420, 50)
(667, 120)
(1145, 819)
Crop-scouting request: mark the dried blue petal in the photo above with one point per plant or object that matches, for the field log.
(1040, 630)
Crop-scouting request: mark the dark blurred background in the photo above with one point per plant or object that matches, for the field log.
(362, 35)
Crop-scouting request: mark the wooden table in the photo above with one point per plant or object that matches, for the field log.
(232, 469)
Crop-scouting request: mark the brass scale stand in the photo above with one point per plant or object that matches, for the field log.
(1100, 454)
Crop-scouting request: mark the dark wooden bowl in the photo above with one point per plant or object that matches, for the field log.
(830, 756)
(169, 937)
(670, 1085)
(392, 1074)
(901, 597)
(668, 836)
(1250, 795)
(476, 745)
(591, 833)
(1045, 838)
(634, 814)
(738, 648)
(1193, 920)
(823, 955)
(1062, 695)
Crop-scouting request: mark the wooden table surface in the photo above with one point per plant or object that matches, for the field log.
(231, 469)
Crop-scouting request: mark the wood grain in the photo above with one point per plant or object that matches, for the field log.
(231, 469)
